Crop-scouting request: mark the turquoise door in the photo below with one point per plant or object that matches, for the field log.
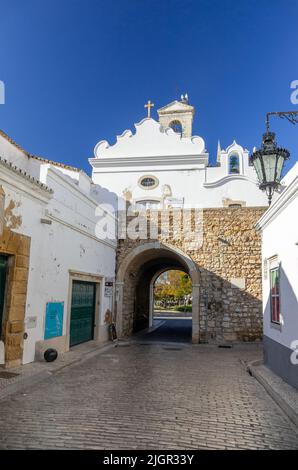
(82, 312)
(3, 271)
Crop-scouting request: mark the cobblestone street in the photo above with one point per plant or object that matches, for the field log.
(149, 395)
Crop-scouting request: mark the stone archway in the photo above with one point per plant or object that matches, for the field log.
(134, 279)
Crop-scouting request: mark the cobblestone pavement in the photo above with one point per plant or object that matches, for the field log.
(149, 396)
(171, 330)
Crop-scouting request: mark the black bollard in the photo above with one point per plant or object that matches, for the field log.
(50, 355)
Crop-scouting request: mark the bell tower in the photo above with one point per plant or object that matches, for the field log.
(178, 115)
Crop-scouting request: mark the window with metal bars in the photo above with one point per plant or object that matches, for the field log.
(275, 294)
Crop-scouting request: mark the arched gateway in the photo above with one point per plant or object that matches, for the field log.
(154, 170)
(134, 285)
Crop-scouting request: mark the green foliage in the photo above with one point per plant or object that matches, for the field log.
(173, 285)
(184, 308)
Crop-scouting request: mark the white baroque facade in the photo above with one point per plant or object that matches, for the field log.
(159, 166)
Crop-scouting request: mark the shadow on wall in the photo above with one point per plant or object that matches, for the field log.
(104, 196)
(227, 313)
(228, 262)
(277, 356)
(99, 193)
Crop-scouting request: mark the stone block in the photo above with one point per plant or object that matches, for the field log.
(13, 341)
(12, 355)
(19, 287)
(24, 246)
(16, 327)
(21, 274)
(18, 299)
(22, 261)
(16, 312)
(59, 343)
(13, 242)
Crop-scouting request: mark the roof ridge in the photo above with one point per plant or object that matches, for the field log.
(30, 155)
(173, 102)
(25, 175)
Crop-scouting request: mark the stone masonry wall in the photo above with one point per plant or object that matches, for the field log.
(229, 261)
(17, 248)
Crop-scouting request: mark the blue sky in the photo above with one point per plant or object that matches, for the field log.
(79, 71)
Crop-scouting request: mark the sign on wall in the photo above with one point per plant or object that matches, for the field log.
(175, 202)
(238, 282)
(31, 322)
(109, 284)
(54, 320)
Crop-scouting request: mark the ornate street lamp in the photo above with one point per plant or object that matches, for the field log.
(269, 160)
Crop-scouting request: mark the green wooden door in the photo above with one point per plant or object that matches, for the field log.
(82, 312)
(3, 271)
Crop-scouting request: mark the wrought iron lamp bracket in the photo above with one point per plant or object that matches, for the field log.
(291, 116)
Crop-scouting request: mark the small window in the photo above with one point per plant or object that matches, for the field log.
(148, 182)
(176, 126)
(234, 164)
(275, 294)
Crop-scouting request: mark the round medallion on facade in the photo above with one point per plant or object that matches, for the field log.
(148, 182)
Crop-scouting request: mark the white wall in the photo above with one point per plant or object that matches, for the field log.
(58, 250)
(181, 163)
(280, 237)
(68, 243)
(184, 183)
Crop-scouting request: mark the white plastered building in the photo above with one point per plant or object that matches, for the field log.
(52, 208)
(279, 228)
(162, 164)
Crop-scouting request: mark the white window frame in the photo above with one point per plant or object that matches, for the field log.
(274, 265)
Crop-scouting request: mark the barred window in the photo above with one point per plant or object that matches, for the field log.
(275, 294)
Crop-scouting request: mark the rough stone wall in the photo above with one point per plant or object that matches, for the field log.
(230, 251)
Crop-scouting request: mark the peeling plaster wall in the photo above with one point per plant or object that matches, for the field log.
(56, 249)
(66, 243)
